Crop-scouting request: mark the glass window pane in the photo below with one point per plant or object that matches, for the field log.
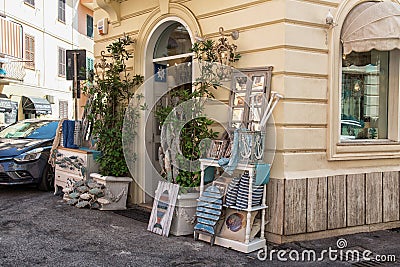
(365, 83)
(174, 40)
(89, 25)
(61, 10)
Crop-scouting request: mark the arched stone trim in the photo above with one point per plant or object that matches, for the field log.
(156, 23)
(334, 74)
(178, 13)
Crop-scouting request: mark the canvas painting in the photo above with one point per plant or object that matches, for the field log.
(163, 208)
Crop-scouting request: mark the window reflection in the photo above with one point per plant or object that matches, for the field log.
(365, 82)
(174, 40)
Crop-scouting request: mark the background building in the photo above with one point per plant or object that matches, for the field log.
(35, 35)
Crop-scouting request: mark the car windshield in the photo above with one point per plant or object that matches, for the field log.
(31, 129)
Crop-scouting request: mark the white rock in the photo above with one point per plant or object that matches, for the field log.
(103, 201)
(85, 196)
(67, 190)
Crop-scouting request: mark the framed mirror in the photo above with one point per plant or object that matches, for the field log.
(250, 91)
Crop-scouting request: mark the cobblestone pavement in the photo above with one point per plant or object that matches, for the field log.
(39, 229)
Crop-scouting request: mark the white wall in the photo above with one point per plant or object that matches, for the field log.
(42, 23)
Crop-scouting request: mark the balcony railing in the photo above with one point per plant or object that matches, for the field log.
(11, 69)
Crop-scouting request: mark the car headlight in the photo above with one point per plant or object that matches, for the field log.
(30, 155)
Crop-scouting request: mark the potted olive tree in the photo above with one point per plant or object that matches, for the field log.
(193, 129)
(113, 88)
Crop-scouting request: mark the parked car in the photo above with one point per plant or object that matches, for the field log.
(24, 153)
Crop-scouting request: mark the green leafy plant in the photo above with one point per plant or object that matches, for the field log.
(110, 94)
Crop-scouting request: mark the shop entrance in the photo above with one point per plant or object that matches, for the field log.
(170, 67)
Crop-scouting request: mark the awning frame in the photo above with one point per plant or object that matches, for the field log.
(36, 105)
(371, 25)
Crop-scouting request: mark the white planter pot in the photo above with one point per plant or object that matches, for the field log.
(184, 214)
(116, 190)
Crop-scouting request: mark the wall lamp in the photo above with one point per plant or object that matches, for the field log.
(234, 34)
(331, 24)
(224, 51)
(329, 20)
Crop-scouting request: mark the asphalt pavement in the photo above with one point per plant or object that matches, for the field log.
(39, 229)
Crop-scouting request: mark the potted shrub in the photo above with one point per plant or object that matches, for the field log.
(112, 90)
(186, 171)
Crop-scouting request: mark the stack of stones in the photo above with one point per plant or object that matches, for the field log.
(85, 194)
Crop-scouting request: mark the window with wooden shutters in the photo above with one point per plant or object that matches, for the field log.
(29, 51)
(61, 10)
(61, 62)
(63, 109)
(30, 2)
(89, 26)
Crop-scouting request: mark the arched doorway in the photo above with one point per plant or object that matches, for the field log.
(168, 48)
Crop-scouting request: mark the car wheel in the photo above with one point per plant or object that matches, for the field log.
(47, 181)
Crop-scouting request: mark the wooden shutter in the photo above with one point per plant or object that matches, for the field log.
(63, 109)
(30, 51)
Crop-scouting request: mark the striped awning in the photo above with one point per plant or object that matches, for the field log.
(35, 105)
(11, 38)
(372, 25)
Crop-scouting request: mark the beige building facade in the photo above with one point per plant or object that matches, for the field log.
(333, 173)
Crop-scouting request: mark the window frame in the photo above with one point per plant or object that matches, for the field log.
(29, 41)
(338, 150)
(61, 8)
(62, 65)
(385, 117)
(87, 26)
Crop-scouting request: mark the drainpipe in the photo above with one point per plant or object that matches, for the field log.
(44, 43)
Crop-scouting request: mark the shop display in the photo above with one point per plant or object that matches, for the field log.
(251, 146)
(163, 208)
(249, 95)
(235, 223)
(208, 213)
(73, 164)
(237, 231)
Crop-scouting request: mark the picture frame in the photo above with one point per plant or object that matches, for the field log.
(163, 208)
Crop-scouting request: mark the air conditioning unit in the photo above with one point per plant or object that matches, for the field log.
(102, 26)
